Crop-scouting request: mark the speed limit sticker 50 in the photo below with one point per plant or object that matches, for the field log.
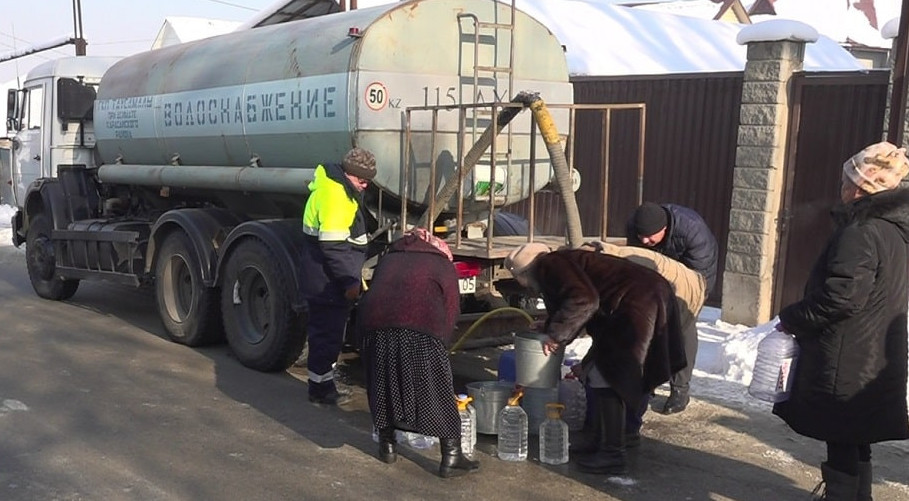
(376, 96)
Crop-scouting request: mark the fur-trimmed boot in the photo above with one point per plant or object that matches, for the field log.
(864, 481)
(609, 459)
(835, 486)
(388, 452)
(453, 463)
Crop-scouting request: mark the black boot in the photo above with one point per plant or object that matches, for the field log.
(454, 464)
(387, 447)
(864, 481)
(609, 459)
(677, 401)
(586, 441)
(324, 393)
(835, 486)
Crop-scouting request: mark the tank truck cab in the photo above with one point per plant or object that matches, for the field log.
(50, 122)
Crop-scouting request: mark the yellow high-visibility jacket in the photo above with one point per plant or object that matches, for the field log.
(335, 229)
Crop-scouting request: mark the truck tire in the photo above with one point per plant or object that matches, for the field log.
(263, 330)
(188, 309)
(40, 259)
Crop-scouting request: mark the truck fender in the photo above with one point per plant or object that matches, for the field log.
(206, 229)
(283, 236)
(44, 196)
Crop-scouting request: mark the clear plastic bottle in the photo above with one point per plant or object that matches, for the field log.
(554, 436)
(415, 440)
(512, 440)
(468, 425)
(573, 395)
(774, 366)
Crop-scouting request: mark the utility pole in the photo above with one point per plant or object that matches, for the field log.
(78, 39)
(896, 125)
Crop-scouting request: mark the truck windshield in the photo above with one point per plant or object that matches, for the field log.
(76, 99)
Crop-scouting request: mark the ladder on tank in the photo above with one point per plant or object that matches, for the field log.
(481, 82)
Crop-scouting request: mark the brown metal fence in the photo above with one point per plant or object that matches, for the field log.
(834, 115)
(689, 148)
(689, 155)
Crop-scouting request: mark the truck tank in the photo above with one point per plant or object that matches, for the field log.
(291, 96)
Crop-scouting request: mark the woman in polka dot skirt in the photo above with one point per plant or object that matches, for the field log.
(406, 320)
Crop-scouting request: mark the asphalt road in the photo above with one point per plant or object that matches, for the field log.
(96, 404)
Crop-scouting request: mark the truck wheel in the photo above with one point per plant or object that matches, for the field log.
(263, 330)
(41, 261)
(188, 309)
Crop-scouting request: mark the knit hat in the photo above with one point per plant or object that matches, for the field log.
(439, 244)
(649, 218)
(359, 162)
(878, 167)
(521, 258)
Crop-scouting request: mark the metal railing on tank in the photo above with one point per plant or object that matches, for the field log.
(502, 114)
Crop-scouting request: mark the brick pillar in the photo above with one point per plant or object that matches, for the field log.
(760, 158)
(891, 61)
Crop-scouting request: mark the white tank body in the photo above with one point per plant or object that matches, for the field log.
(298, 94)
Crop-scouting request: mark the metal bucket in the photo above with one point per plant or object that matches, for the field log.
(489, 397)
(533, 369)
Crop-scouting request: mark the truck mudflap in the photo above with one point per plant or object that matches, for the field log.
(18, 232)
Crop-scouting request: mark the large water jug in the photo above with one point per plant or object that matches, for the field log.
(512, 440)
(554, 436)
(774, 367)
(468, 425)
(573, 396)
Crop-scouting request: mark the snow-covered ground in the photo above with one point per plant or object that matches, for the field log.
(726, 352)
(8, 253)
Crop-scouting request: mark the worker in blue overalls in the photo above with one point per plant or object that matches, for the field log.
(332, 262)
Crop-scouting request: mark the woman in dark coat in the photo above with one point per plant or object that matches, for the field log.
(850, 381)
(631, 314)
(407, 320)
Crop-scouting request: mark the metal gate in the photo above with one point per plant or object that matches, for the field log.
(833, 116)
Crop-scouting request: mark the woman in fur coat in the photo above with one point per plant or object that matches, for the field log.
(631, 314)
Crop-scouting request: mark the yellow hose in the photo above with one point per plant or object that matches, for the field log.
(482, 319)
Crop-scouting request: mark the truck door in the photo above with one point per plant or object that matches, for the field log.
(28, 158)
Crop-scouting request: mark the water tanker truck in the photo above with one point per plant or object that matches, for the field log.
(186, 168)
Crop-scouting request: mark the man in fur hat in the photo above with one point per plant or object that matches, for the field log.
(334, 251)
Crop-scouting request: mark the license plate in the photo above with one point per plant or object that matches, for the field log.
(467, 285)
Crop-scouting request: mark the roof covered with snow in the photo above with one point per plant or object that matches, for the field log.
(602, 39)
(852, 23)
(177, 30)
(608, 40)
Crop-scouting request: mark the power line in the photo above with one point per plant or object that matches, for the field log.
(222, 2)
(118, 42)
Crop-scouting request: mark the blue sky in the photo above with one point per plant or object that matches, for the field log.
(111, 27)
